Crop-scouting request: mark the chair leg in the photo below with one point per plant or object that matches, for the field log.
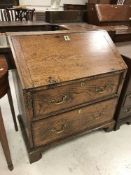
(12, 109)
(4, 142)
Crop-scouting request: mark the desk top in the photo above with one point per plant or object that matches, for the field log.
(79, 26)
(18, 23)
(63, 57)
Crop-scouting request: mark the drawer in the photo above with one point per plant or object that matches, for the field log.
(66, 124)
(64, 97)
(127, 100)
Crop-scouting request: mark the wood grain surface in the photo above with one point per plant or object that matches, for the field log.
(66, 124)
(46, 59)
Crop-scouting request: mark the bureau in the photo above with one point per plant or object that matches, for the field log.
(112, 18)
(67, 84)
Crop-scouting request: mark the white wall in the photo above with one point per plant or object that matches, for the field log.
(45, 4)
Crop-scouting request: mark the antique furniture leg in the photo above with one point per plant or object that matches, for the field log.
(124, 121)
(4, 142)
(12, 109)
(34, 155)
(110, 127)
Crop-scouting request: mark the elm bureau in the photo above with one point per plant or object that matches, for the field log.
(67, 83)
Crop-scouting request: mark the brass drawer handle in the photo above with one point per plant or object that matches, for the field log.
(60, 129)
(103, 88)
(100, 89)
(97, 116)
(97, 89)
(83, 84)
(64, 99)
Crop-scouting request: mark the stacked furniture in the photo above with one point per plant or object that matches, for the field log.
(61, 91)
(116, 18)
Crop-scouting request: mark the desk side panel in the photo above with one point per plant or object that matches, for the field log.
(25, 109)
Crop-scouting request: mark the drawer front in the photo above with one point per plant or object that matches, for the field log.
(127, 100)
(54, 128)
(64, 97)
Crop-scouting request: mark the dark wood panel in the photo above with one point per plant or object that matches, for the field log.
(28, 26)
(9, 2)
(68, 16)
(102, 14)
(74, 7)
(99, 1)
(113, 18)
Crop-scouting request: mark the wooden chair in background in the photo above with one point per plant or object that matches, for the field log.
(3, 15)
(5, 89)
(20, 14)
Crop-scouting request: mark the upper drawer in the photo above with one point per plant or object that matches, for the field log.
(66, 124)
(63, 97)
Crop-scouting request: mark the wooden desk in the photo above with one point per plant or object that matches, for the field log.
(70, 87)
(79, 27)
(27, 26)
(113, 18)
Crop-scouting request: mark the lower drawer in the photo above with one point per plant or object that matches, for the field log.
(54, 128)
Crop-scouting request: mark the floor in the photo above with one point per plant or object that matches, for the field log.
(98, 153)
